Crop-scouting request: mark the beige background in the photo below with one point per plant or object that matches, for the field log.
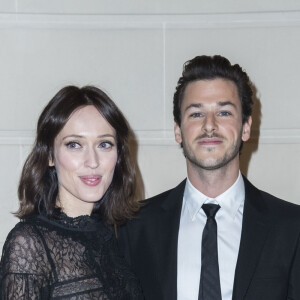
(134, 50)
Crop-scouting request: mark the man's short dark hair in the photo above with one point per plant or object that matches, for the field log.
(212, 67)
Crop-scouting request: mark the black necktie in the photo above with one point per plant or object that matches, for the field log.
(210, 279)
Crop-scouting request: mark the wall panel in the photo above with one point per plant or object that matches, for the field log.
(36, 63)
(135, 51)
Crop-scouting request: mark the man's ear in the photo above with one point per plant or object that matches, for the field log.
(177, 132)
(247, 129)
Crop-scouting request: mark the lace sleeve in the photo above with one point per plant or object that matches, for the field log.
(24, 269)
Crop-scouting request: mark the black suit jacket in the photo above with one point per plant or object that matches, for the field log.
(268, 265)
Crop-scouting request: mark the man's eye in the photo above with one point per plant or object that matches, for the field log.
(73, 145)
(225, 113)
(196, 115)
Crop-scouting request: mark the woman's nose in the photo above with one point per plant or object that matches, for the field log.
(92, 159)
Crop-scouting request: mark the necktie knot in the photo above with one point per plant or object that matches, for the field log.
(210, 209)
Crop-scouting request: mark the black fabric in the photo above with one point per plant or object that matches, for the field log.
(64, 258)
(210, 288)
(268, 264)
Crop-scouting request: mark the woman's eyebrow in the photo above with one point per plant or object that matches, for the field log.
(78, 136)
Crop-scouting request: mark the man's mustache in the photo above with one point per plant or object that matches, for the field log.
(209, 136)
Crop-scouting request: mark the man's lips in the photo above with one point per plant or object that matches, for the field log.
(91, 180)
(210, 141)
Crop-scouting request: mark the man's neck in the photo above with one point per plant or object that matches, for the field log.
(213, 183)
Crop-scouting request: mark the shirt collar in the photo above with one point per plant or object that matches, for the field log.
(230, 200)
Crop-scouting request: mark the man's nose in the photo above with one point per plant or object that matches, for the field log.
(210, 123)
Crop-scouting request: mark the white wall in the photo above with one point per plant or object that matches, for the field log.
(135, 50)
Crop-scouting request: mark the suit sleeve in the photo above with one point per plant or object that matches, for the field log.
(123, 242)
(294, 282)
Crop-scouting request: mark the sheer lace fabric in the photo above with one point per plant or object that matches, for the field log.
(64, 258)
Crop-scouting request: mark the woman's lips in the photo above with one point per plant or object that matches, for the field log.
(91, 180)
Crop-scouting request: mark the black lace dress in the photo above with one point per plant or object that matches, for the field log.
(64, 258)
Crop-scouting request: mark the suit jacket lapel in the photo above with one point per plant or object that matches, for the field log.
(254, 232)
(168, 238)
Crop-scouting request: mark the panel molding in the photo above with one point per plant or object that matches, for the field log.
(264, 136)
(140, 21)
(165, 137)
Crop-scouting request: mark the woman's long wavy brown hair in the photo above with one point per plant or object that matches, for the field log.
(38, 186)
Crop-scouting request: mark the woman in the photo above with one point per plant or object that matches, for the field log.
(76, 182)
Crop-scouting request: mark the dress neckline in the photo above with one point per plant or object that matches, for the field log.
(81, 223)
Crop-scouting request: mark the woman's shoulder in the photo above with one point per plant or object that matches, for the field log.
(23, 249)
(24, 231)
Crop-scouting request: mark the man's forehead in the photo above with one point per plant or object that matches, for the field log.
(217, 89)
(207, 84)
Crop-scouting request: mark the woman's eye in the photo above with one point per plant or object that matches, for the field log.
(73, 145)
(106, 145)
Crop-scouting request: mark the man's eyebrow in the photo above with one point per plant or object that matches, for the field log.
(224, 103)
(220, 103)
(193, 105)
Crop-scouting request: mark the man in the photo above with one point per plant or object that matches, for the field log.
(247, 246)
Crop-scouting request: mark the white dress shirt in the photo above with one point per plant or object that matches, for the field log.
(193, 219)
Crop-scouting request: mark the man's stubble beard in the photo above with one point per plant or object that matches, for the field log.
(216, 164)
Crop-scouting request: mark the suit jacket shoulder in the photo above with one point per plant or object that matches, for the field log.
(165, 200)
(281, 207)
(269, 205)
(268, 265)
